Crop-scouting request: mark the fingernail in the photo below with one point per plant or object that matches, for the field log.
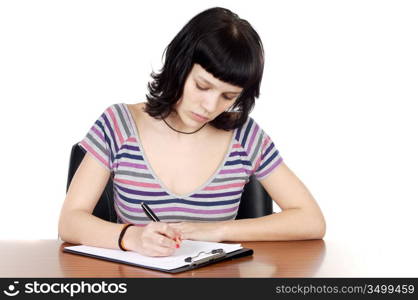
(177, 246)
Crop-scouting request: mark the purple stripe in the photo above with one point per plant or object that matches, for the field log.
(141, 193)
(252, 138)
(98, 133)
(262, 174)
(238, 134)
(129, 147)
(196, 211)
(232, 171)
(176, 209)
(213, 195)
(238, 153)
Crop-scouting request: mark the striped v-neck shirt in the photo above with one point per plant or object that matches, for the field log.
(114, 142)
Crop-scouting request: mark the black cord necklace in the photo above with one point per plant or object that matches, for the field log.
(183, 131)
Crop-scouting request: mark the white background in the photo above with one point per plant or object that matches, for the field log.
(338, 98)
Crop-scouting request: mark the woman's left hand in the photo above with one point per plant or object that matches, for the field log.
(210, 232)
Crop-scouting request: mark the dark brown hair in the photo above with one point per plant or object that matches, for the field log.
(225, 46)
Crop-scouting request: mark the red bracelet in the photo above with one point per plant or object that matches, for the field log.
(122, 233)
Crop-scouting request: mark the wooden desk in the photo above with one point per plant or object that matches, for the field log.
(45, 258)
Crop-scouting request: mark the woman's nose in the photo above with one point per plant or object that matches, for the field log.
(210, 103)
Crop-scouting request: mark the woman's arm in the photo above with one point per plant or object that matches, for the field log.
(77, 225)
(300, 218)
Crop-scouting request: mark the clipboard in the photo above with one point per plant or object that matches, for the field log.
(200, 259)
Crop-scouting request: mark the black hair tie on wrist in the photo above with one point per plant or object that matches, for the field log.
(122, 233)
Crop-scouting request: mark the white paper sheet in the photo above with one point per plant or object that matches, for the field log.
(187, 249)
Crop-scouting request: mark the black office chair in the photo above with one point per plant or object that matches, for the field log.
(255, 201)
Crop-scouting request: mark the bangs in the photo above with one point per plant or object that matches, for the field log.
(224, 45)
(230, 59)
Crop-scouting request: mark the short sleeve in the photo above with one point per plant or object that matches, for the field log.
(261, 154)
(267, 157)
(98, 141)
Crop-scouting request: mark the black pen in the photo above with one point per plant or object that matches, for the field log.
(149, 212)
(154, 218)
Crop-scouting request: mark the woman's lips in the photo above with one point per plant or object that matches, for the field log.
(199, 117)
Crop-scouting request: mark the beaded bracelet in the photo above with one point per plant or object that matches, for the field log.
(122, 233)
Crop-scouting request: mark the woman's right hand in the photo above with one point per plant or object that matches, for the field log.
(155, 239)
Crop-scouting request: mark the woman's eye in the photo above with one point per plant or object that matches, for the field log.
(205, 89)
(200, 88)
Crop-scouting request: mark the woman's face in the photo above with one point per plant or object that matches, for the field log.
(204, 95)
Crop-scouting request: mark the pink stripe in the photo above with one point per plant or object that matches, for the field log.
(225, 186)
(136, 183)
(116, 125)
(266, 142)
(132, 139)
(138, 166)
(97, 155)
(231, 171)
(252, 138)
(263, 149)
(236, 146)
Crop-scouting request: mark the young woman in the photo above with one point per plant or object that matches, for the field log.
(188, 151)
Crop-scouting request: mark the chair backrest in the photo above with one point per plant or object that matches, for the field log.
(255, 201)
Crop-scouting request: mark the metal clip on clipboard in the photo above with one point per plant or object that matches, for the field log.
(216, 253)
